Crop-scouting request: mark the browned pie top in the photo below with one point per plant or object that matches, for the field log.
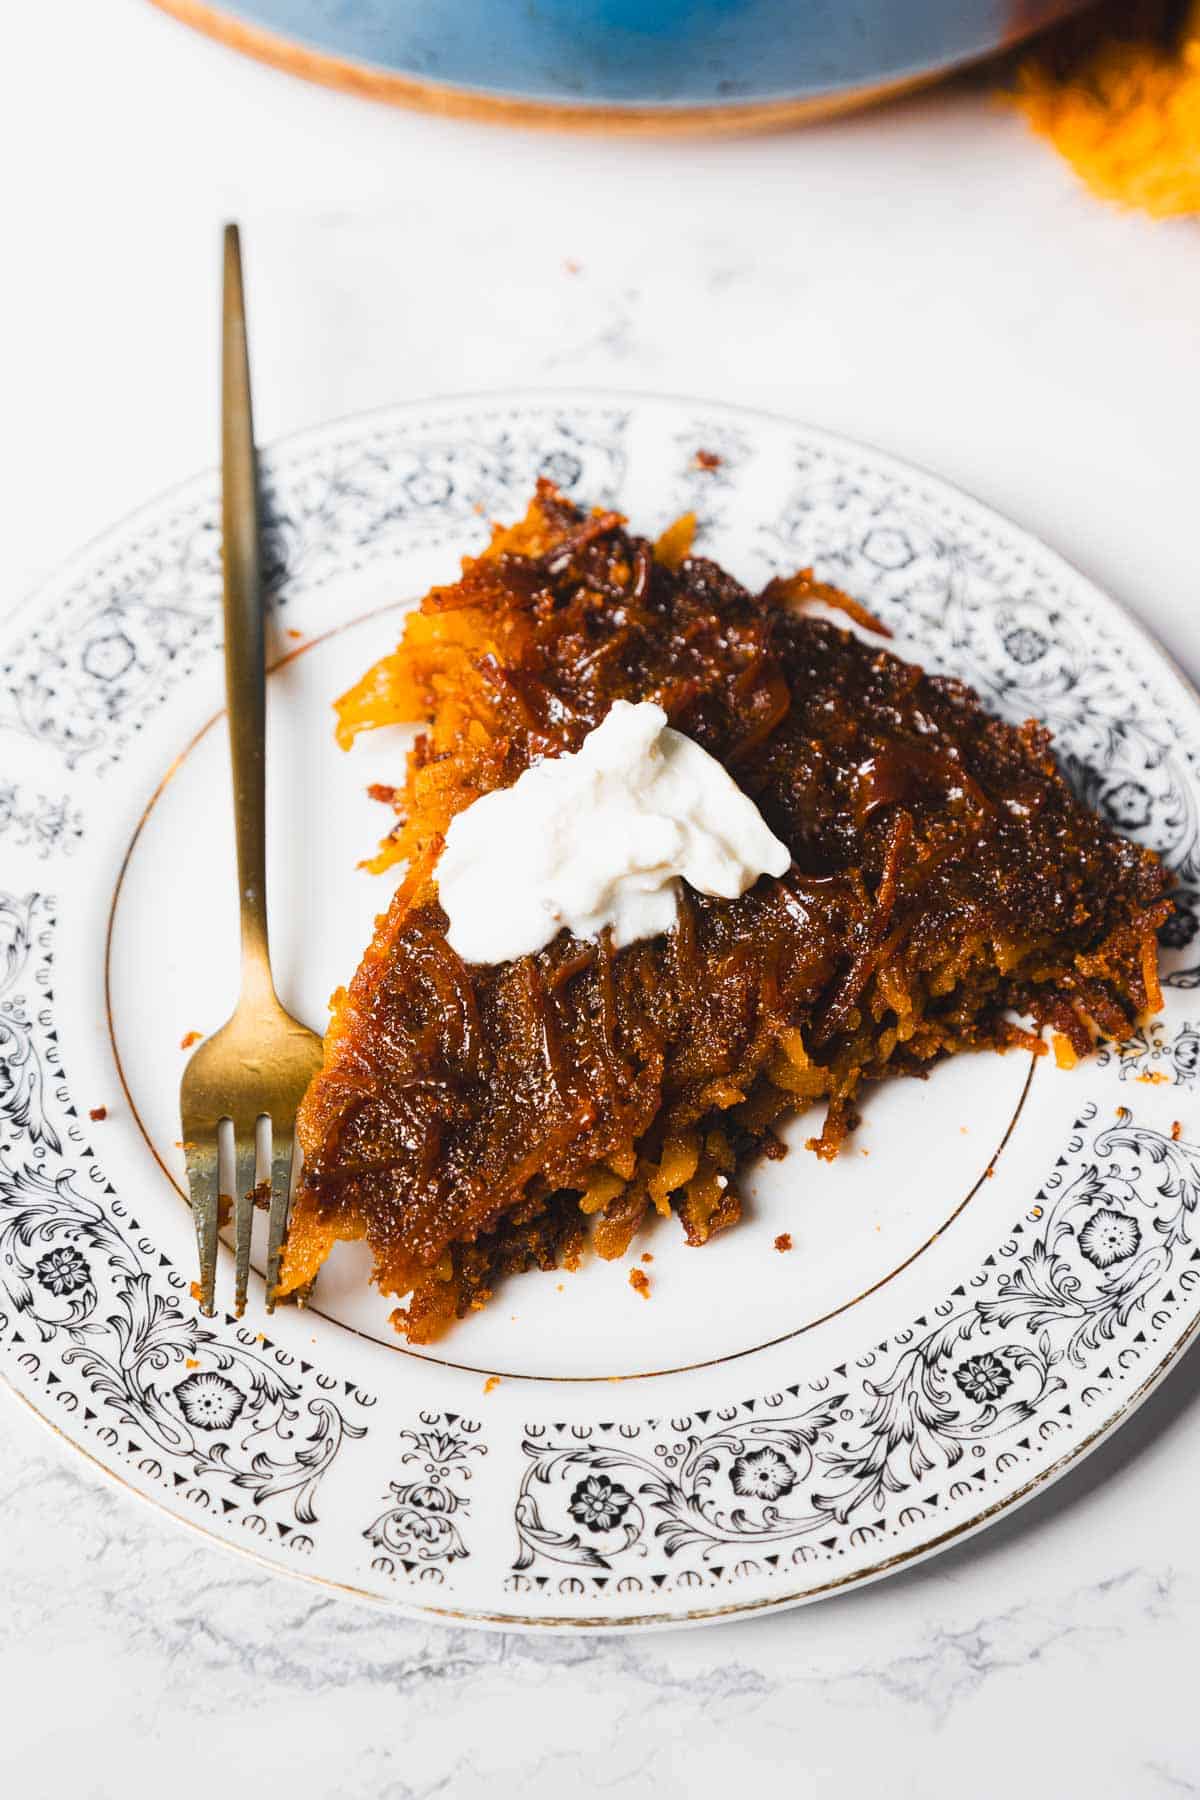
(944, 873)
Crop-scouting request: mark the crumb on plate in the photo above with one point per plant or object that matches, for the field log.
(491, 1384)
(189, 1038)
(98, 1113)
(784, 1241)
(639, 1281)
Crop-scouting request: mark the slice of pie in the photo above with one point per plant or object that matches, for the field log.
(947, 892)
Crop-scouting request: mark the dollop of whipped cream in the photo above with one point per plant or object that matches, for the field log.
(601, 837)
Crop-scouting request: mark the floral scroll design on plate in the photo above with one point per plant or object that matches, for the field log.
(1153, 1057)
(120, 639)
(422, 1528)
(971, 606)
(192, 1394)
(24, 927)
(426, 486)
(587, 1505)
(87, 1301)
(47, 827)
(959, 1403)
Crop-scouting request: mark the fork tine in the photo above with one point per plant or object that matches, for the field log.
(204, 1188)
(243, 1215)
(281, 1188)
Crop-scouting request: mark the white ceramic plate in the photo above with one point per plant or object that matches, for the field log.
(995, 1273)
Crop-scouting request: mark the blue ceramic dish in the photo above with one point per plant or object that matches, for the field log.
(709, 61)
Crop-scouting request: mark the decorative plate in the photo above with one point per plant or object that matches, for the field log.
(1000, 1266)
(671, 66)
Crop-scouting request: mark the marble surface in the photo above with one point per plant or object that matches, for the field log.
(924, 277)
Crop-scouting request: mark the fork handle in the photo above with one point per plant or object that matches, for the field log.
(245, 656)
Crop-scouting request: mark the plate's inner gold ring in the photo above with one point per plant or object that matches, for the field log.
(389, 1340)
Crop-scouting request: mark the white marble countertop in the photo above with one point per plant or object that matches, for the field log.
(924, 277)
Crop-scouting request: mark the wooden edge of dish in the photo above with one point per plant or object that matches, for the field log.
(370, 83)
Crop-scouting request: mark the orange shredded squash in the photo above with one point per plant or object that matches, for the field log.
(674, 545)
(1118, 94)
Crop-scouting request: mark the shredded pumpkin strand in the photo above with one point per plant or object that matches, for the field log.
(1119, 96)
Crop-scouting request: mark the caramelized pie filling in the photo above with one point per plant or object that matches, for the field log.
(946, 885)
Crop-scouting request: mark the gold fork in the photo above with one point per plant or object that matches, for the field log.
(258, 1065)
